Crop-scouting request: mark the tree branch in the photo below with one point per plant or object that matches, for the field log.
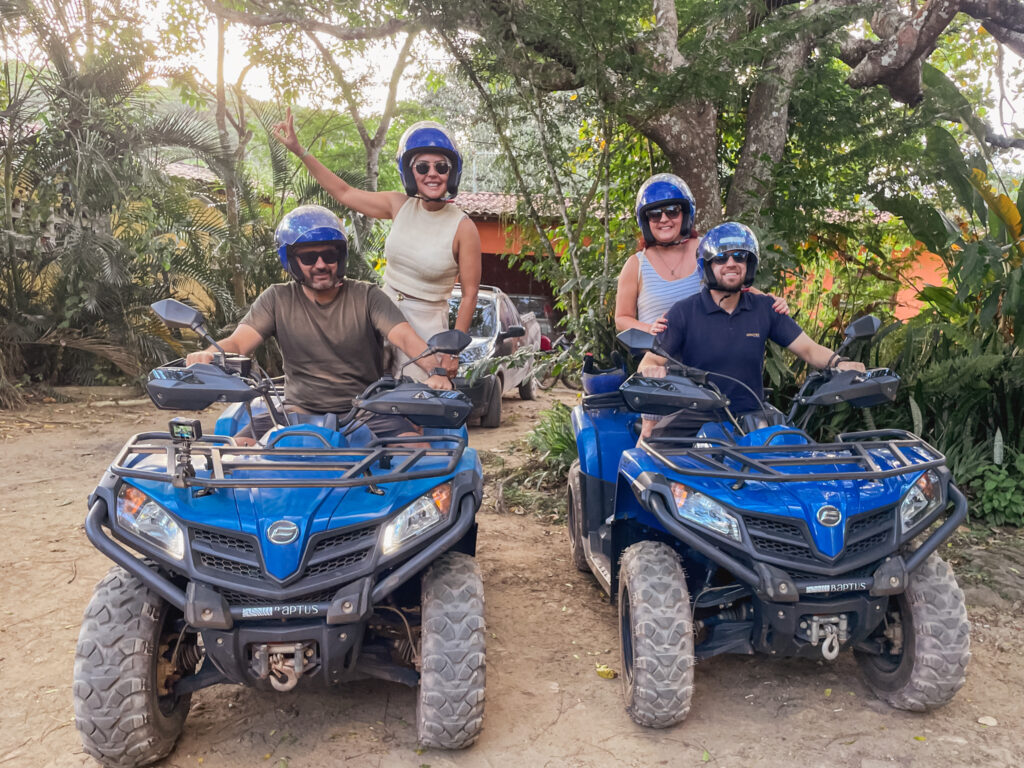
(1011, 39)
(345, 85)
(767, 129)
(666, 33)
(392, 99)
(1004, 142)
(1007, 14)
(339, 31)
(905, 43)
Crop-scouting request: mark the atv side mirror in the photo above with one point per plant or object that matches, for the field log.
(636, 341)
(863, 327)
(175, 314)
(450, 342)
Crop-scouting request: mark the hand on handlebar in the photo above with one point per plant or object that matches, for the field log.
(654, 371)
(203, 356)
(450, 363)
(438, 382)
(850, 365)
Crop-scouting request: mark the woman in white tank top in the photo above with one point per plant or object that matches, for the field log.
(432, 244)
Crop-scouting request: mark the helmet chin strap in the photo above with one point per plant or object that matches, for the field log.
(424, 198)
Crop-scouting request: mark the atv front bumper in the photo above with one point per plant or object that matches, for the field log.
(206, 608)
(771, 582)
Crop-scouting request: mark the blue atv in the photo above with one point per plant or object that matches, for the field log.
(318, 556)
(751, 537)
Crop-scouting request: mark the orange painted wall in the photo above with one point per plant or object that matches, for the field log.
(495, 236)
(927, 270)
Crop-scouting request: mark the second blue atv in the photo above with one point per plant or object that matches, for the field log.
(751, 537)
(318, 556)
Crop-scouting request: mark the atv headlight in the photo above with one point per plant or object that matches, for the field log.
(923, 498)
(705, 511)
(138, 513)
(426, 513)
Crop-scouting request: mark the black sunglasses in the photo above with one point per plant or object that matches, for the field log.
(310, 258)
(740, 257)
(672, 211)
(423, 167)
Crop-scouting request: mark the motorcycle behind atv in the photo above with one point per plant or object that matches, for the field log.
(318, 556)
(751, 537)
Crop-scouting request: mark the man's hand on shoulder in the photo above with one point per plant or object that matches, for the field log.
(438, 382)
(204, 356)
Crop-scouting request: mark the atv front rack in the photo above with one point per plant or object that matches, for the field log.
(385, 460)
(866, 452)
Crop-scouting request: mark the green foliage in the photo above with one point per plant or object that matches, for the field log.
(555, 440)
(997, 491)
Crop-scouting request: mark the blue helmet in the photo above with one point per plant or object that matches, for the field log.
(664, 189)
(428, 136)
(309, 224)
(730, 236)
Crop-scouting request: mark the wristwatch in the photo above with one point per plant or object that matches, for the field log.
(439, 371)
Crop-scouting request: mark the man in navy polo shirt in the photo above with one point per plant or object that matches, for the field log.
(724, 329)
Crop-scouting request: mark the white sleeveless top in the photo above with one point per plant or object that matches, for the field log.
(418, 251)
(656, 295)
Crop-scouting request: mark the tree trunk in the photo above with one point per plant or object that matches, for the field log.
(767, 131)
(229, 177)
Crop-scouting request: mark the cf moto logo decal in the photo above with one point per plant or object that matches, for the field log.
(282, 532)
(830, 516)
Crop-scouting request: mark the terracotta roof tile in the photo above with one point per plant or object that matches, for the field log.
(190, 172)
(486, 203)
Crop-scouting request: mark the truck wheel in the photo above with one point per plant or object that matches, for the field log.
(492, 414)
(926, 639)
(528, 388)
(450, 708)
(124, 710)
(574, 518)
(655, 635)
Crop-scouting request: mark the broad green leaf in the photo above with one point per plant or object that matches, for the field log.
(924, 222)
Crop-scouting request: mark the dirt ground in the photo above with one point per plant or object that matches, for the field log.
(548, 627)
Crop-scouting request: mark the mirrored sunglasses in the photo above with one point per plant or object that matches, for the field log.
(423, 167)
(672, 211)
(740, 257)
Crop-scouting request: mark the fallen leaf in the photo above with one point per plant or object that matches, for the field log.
(919, 738)
(603, 670)
(706, 756)
(989, 721)
(828, 692)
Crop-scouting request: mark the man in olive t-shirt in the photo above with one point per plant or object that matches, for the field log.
(331, 333)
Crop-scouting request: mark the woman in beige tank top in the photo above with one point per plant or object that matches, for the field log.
(432, 243)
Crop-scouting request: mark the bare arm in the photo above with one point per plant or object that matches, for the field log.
(407, 340)
(243, 341)
(814, 354)
(467, 253)
(378, 205)
(626, 297)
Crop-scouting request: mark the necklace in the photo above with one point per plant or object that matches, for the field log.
(671, 270)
